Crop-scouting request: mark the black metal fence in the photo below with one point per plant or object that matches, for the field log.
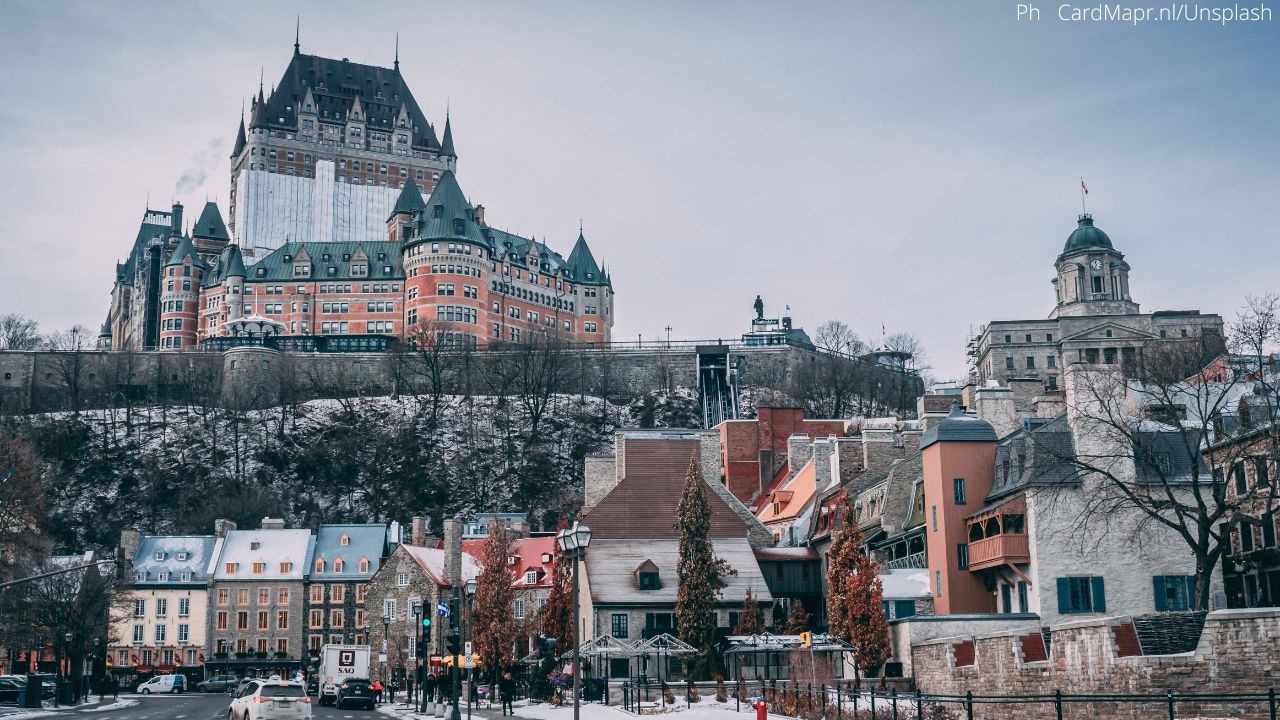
(846, 702)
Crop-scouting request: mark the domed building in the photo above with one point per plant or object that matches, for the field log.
(1094, 320)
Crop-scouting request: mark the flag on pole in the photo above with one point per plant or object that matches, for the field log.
(1084, 187)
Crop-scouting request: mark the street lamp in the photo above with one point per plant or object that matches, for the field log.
(386, 630)
(416, 606)
(573, 541)
(469, 590)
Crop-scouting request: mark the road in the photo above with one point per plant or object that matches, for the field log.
(194, 706)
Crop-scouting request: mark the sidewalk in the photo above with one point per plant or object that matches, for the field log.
(16, 713)
(400, 709)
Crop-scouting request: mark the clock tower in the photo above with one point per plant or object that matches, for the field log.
(1093, 278)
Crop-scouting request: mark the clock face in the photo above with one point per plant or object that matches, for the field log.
(1095, 264)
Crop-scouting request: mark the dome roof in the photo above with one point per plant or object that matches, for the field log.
(958, 427)
(1086, 236)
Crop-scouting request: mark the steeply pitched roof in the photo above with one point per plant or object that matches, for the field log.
(177, 555)
(612, 563)
(185, 251)
(210, 225)
(582, 265)
(269, 547)
(335, 86)
(643, 504)
(446, 145)
(1039, 453)
(431, 560)
(448, 215)
(363, 541)
(410, 199)
(155, 224)
(241, 140)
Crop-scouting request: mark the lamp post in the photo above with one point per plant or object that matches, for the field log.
(410, 699)
(573, 542)
(386, 632)
(470, 588)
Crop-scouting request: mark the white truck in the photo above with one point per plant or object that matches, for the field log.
(338, 663)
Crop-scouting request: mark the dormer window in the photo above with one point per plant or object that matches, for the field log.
(531, 577)
(160, 556)
(345, 539)
(288, 257)
(182, 557)
(255, 545)
(326, 257)
(319, 565)
(346, 257)
(546, 558)
(437, 211)
(650, 581)
(512, 559)
(261, 272)
(459, 226)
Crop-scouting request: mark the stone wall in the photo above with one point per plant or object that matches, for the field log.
(1238, 652)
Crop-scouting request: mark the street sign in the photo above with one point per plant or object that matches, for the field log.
(382, 657)
(806, 639)
(468, 660)
(442, 608)
(467, 647)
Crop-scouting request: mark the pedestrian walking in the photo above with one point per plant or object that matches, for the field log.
(507, 687)
(376, 687)
(408, 689)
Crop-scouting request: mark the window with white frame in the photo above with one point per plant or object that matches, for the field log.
(518, 608)
(137, 635)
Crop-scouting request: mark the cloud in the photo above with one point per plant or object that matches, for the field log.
(202, 163)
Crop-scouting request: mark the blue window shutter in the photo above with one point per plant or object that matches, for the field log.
(1191, 592)
(1099, 596)
(1064, 596)
(1158, 582)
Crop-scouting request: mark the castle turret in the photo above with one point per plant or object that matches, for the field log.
(233, 274)
(180, 296)
(399, 223)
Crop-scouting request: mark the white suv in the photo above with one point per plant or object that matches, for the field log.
(273, 699)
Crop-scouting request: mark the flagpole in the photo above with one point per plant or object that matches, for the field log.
(1083, 192)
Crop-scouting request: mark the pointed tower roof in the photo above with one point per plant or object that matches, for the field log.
(240, 137)
(105, 332)
(233, 265)
(448, 215)
(410, 200)
(184, 251)
(210, 225)
(446, 145)
(582, 265)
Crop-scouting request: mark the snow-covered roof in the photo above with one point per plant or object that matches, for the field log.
(363, 541)
(270, 547)
(431, 560)
(611, 567)
(173, 559)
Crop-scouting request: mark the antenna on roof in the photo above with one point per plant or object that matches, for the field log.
(297, 36)
(397, 63)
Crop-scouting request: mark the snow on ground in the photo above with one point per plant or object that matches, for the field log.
(707, 709)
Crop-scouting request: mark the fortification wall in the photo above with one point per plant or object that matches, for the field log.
(1238, 652)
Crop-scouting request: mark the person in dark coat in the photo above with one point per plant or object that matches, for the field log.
(507, 687)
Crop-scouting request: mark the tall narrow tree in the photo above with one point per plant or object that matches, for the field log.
(494, 627)
(855, 599)
(698, 572)
(750, 620)
(557, 614)
(797, 619)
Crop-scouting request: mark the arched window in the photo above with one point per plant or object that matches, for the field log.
(319, 565)
(364, 564)
(337, 565)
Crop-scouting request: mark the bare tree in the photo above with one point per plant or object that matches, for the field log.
(1141, 431)
(70, 349)
(836, 336)
(22, 500)
(18, 332)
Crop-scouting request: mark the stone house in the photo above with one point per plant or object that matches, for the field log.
(1245, 462)
(257, 598)
(343, 560)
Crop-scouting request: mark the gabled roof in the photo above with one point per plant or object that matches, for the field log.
(337, 85)
(611, 570)
(791, 498)
(431, 560)
(1038, 453)
(270, 547)
(363, 541)
(210, 225)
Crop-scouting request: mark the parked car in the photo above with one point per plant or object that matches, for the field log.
(313, 686)
(11, 688)
(273, 699)
(354, 692)
(164, 684)
(218, 683)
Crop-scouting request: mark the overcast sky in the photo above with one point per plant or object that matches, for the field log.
(910, 163)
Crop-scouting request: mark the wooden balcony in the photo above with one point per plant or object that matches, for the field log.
(998, 550)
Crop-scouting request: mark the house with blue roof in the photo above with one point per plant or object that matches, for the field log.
(343, 559)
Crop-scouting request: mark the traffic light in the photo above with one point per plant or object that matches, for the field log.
(453, 643)
(426, 622)
(454, 616)
(806, 639)
(424, 643)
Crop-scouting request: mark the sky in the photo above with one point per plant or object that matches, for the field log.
(912, 166)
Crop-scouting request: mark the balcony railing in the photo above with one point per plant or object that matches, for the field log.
(998, 550)
(914, 560)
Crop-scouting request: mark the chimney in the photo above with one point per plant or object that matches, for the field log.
(1049, 406)
(175, 224)
(998, 406)
(129, 542)
(393, 532)
(222, 527)
(822, 451)
(799, 452)
(520, 528)
(418, 534)
(453, 551)
(480, 214)
(272, 523)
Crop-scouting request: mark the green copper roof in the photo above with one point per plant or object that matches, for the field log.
(410, 199)
(1086, 236)
(184, 251)
(240, 137)
(234, 266)
(210, 224)
(448, 215)
(958, 427)
(446, 144)
(582, 265)
(332, 261)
